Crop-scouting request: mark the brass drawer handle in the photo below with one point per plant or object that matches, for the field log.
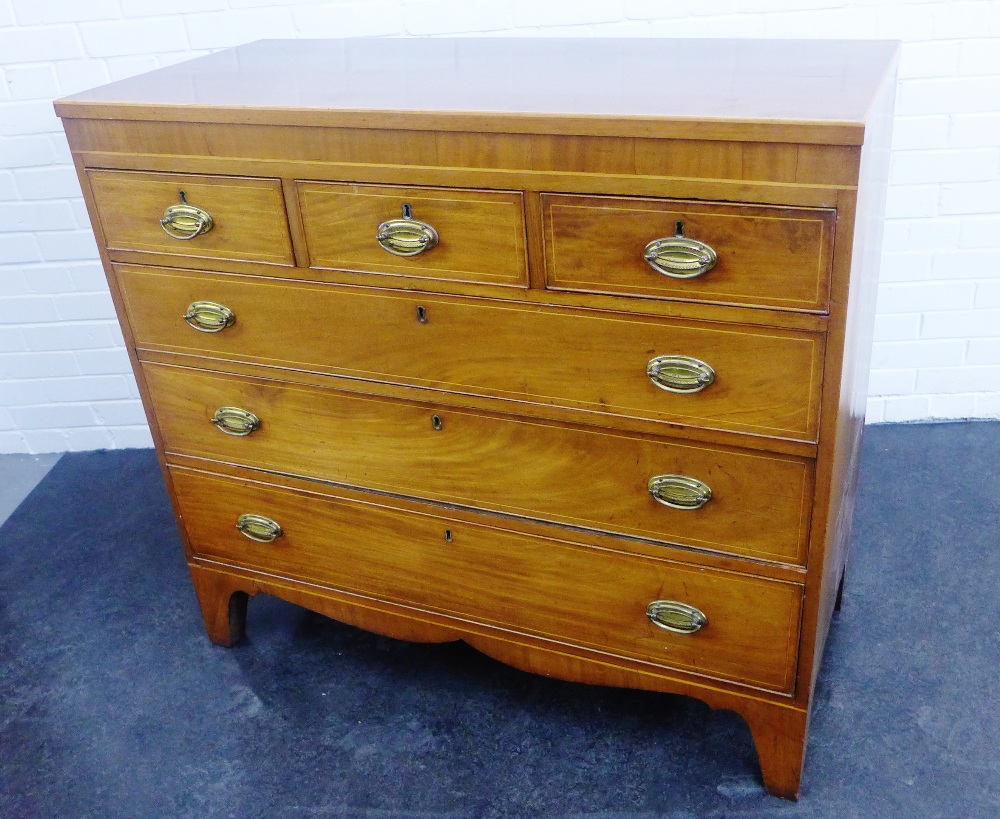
(406, 236)
(236, 421)
(209, 316)
(185, 221)
(680, 491)
(679, 257)
(677, 617)
(259, 528)
(680, 373)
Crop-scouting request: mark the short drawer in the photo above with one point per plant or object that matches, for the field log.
(767, 381)
(183, 217)
(764, 256)
(453, 234)
(732, 501)
(550, 588)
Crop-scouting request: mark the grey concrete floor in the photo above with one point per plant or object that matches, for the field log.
(19, 474)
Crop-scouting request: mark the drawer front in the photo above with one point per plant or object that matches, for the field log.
(248, 221)
(759, 504)
(474, 236)
(767, 380)
(551, 588)
(775, 257)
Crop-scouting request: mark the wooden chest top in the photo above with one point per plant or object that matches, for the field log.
(704, 89)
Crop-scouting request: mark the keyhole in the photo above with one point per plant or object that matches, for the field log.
(407, 211)
(447, 535)
(436, 422)
(184, 198)
(422, 314)
(679, 229)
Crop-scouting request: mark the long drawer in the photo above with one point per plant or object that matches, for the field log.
(758, 504)
(766, 381)
(591, 597)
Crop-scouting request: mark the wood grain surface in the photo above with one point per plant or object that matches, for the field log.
(481, 233)
(788, 173)
(248, 214)
(548, 587)
(571, 86)
(776, 257)
(767, 381)
(759, 507)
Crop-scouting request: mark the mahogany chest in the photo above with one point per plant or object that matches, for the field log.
(557, 347)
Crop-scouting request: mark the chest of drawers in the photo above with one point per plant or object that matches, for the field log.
(556, 347)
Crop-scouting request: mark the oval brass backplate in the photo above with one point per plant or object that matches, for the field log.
(680, 491)
(209, 316)
(258, 528)
(185, 222)
(677, 617)
(406, 236)
(679, 257)
(680, 373)
(236, 421)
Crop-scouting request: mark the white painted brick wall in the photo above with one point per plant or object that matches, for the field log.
(64, 376)
(358, 19)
